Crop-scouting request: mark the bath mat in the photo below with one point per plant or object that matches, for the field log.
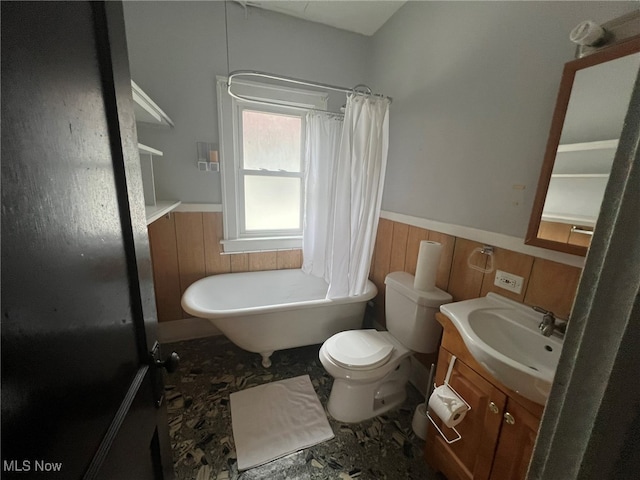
(275, 419)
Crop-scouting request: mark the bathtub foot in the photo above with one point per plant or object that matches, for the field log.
(266, 361)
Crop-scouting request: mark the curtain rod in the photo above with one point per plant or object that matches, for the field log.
(253, 73)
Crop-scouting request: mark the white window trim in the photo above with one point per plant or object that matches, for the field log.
(263, 244)
(239, 109)
(229, 111)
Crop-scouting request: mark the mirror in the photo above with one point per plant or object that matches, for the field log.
(590, 110)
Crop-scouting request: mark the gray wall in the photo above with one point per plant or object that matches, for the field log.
(176, 49)
(474, 87)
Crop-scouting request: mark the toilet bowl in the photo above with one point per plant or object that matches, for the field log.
(371, 368)
(373, 382)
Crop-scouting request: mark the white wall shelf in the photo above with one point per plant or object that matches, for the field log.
(160, 209)
(583, 220)
(147, 111)
(597, 145)
(580, 175)
(578, 181)
(151, 151)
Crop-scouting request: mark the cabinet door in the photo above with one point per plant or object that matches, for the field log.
(470, 457)
(517, 438)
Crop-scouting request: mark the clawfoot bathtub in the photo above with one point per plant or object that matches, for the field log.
(273, 310)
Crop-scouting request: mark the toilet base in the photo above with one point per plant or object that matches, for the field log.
(352, 402)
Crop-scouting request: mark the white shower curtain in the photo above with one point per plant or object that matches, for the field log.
(322, 148)
(344, 193)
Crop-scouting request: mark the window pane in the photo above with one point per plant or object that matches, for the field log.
(271, 141)
(271, 203)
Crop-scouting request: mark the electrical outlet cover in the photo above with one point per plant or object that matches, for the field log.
(508, 281)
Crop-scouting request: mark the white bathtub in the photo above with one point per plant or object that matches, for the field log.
(266, 311)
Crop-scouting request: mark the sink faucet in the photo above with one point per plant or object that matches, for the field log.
(548, 324)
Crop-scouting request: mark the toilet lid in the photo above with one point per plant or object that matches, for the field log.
(359, 349)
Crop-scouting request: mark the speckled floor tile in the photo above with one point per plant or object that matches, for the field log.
(212, 368)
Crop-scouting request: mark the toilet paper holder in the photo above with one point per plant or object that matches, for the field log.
(446, 382)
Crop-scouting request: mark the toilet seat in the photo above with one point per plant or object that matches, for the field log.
(359, 349)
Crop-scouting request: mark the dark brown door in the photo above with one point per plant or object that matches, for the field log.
(79, 390)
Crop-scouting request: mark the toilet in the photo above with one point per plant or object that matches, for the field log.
(371, 368)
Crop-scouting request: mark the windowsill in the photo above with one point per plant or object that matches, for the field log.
(265, 244)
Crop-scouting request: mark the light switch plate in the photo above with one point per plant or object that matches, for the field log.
(508, 281)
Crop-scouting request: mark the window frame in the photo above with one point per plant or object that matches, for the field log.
(295, 103)
(242, 172)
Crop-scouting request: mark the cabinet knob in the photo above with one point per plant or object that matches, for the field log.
(509, 418)
(493, 408)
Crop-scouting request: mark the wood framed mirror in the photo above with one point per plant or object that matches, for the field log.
(590, 109)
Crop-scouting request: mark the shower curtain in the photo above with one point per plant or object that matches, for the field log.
(343, 181)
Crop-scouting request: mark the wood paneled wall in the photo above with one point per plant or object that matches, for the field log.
(564, 233)
(185, 247)
(547, 284)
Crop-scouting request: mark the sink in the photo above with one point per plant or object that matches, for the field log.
(503, 336)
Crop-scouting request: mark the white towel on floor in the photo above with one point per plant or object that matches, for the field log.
(275, 419)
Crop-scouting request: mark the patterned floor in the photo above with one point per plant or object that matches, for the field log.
(200, 420)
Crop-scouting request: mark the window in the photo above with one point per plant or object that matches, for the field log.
(262, 165)
(271, 173)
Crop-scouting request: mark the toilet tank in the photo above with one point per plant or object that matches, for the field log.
(410, 313)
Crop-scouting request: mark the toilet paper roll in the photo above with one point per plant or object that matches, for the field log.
(427, 265)
(447, 406)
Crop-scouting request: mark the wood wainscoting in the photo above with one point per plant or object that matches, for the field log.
(547, 284)
(185, 247)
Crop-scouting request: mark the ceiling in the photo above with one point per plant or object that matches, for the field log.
(364, 17)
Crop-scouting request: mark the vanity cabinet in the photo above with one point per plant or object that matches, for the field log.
(471, 457)
(498, 433)
(515, 443)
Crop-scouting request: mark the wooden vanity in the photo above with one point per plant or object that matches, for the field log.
(498, 433)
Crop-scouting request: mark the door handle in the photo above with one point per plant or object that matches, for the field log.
(170, 363)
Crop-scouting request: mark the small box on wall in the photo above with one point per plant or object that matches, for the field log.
(207, 159)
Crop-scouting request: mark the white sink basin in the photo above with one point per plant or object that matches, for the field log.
(503, 336)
